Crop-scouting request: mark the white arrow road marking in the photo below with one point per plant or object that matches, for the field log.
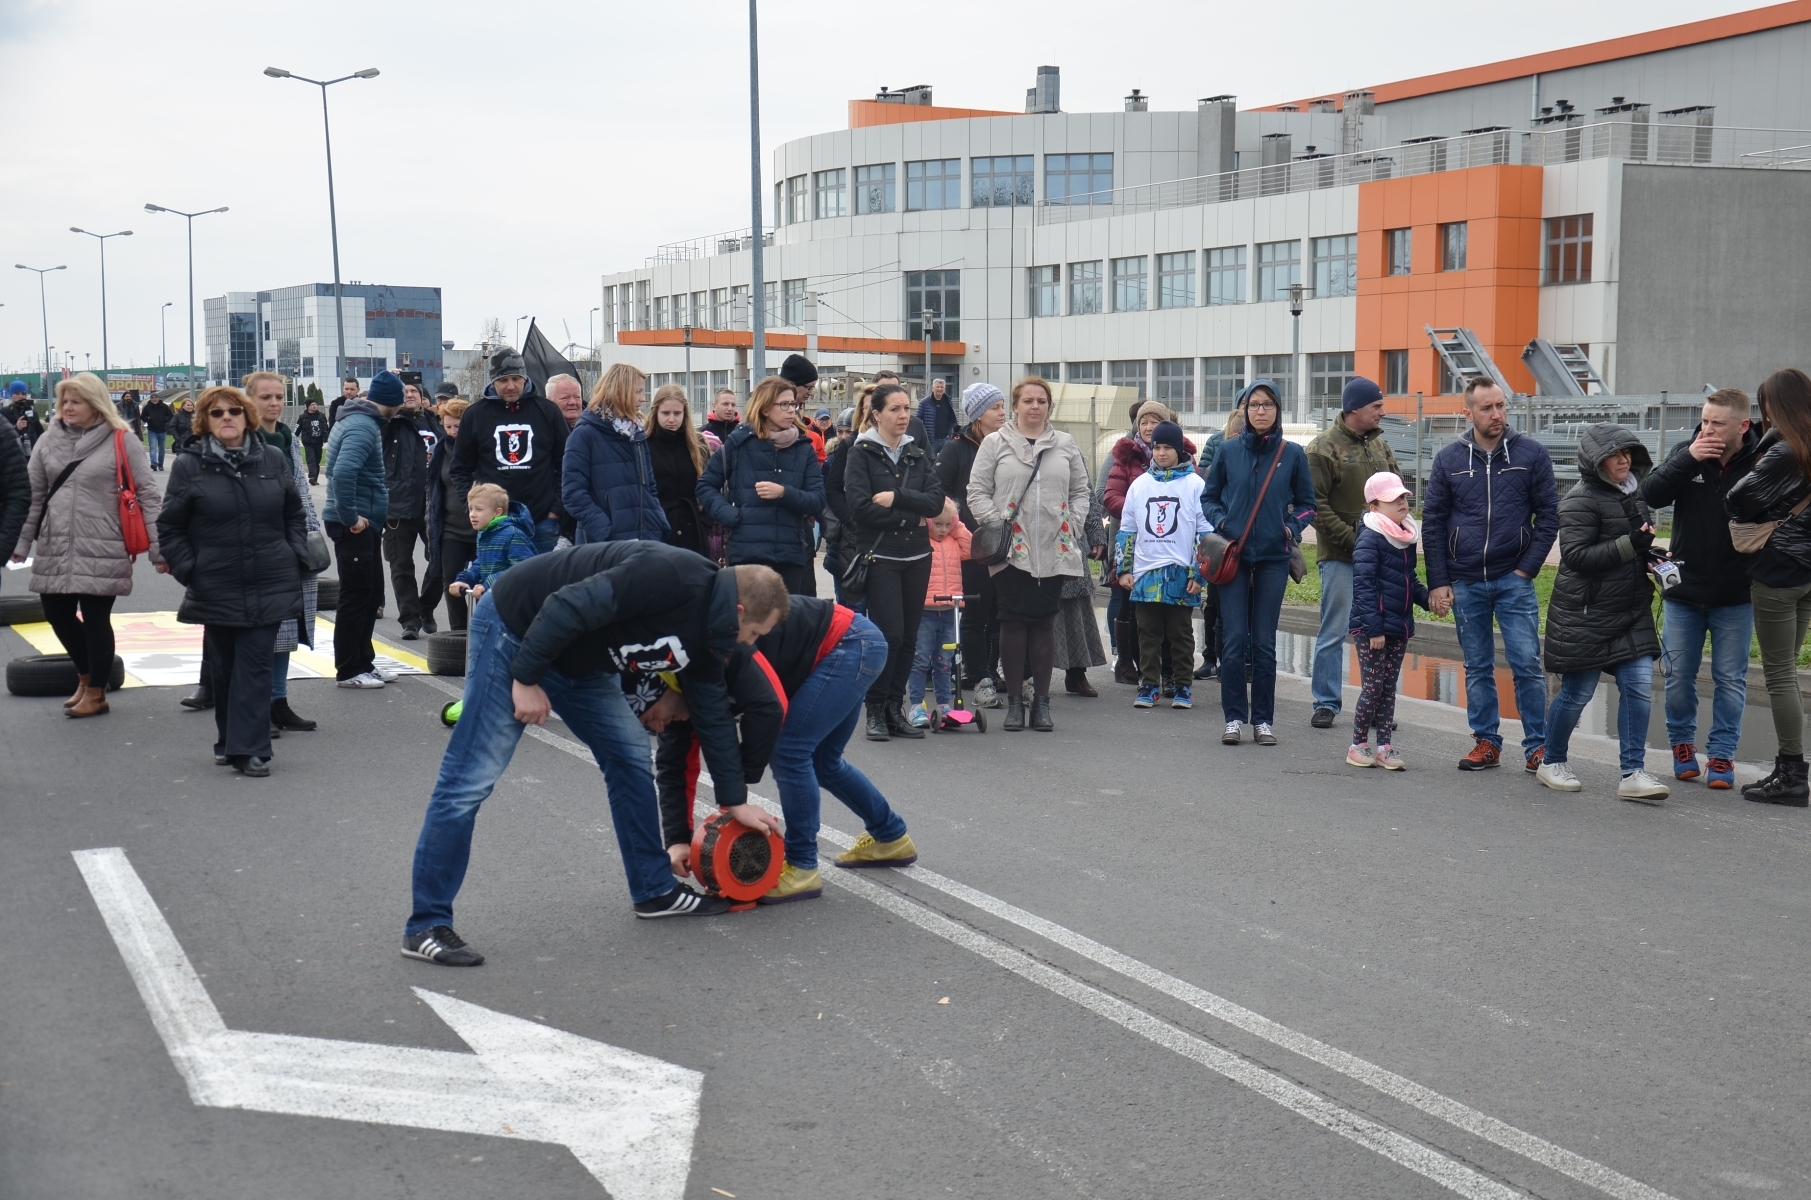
(627, 1117)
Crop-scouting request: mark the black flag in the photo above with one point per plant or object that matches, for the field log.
(543, 362)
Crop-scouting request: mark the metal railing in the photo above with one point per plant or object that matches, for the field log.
(1632, 141)
(707, 246)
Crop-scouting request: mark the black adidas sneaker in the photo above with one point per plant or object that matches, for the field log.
(441, 945)
(681, 902)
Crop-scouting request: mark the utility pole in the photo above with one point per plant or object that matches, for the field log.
(106, 359)
(190, 217)
(757, 299)
(1296, 292)
(163, 334)
(44, 315)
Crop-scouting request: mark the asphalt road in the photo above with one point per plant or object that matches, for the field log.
(1171, 967)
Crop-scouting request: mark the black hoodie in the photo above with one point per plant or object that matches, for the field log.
(519, 446)
(1711, 573)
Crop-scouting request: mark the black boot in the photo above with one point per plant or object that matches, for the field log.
(898, 726)
(284, 717)
(1786, 786)
(1040, 715)
(877, 722)
(201, 698)
(1772, 777)
(1015, 713)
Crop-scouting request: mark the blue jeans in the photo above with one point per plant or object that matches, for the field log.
(546, 534)
(1730, 627)
(1635, 680)
(1249, 608)
(1511, 601)
(809, 753)
(1330, 645)
(936, 629)
(279, 676)
(480, 749)
(156, 441)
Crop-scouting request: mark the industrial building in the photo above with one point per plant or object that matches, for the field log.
(1629, 215)
(292, 331)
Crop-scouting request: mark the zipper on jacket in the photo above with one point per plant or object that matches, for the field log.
(1489, 502)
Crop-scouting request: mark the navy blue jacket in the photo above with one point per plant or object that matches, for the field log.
(1232, 488)
(763, 531)
(607, 484)
(1489, 515)
(1385, 588)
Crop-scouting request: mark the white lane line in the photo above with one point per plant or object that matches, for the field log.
(1397, 1087)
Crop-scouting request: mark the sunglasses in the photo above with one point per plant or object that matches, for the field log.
(217, 413)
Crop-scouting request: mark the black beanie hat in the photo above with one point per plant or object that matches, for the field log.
(797, 370)
(1168, 433)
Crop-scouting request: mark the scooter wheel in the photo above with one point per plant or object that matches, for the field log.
(980, 721)
(449, 713)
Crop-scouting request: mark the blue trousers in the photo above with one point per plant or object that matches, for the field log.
(809, 754)
(1511, 602)
(932, 664)
(480, 749)
(546, 535)
(1249, 608)
(1730, 627)
(1635, 682)
(1330, 644)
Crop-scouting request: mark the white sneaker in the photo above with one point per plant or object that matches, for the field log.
(1231, 736)
(1642, 788)
(369, 679)
(1558, 777)
(986, 695)
(1265, 735)
(385, 673)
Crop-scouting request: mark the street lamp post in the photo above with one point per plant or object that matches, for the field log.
(519, 321)
(1296, 292)
(163, 334)
(591, 329)
(757, 290)
(44, 315)
(190, 217)
(106, 359)
(333, 220)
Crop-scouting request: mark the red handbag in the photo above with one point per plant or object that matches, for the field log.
(131, 517)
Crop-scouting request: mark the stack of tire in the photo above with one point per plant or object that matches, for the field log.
(44, 674)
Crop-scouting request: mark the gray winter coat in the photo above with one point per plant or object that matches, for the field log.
(1047, 536)
(80, 549)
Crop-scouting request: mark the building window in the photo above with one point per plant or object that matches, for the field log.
(741, 314)
(1335, 266)
(1085, 373)
(1328, 375)
(1450, 384)
(1222, 379)
(719, 381)
(874, 189)
(1046, 295)
(1176, 280)
(795, 200)
(1226, 275)
(644, 304)
(1002, 182)
(625, 307)
(1128, 373)
(719, 308)
(1279, 369)
(1084, 288)
(1279, 267)
(1452, 246)
(1568, 256)
(795, 303)
(660, 312)
(933, 183)
(1398, 248)
(1129, 284)
(1078, 178)
(1395, 372)
(308, 368)
(1046, 371)
(609, 314)
(1176, 383)
(770, 303)
(830, 194)
(936, 296)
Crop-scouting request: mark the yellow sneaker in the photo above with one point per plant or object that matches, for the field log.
(869, 853)
(795, 885)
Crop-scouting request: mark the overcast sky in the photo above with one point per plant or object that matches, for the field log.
(510, 153)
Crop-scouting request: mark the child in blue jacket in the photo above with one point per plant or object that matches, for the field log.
(1385, 591)
(505, 538)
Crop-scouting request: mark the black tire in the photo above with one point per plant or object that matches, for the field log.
(446, 714)
(327, 594)
(53, 675)
(980, 721)
(446, 653)
(23, 610)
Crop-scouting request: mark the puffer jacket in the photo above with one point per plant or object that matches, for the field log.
(1767, 493)
(293, 633)
(1238, 474)
(763, 531)
(947, 555)
(1047, 537)
(1385, 588)
(1131, 458)
(607, 483)
(356, 486)
(235, 537)
(1488, 515)
(955, 463)
(182, 427)
(896, 531)
(1340, 461)
(15, 490)
(1601, 613)
(80, 549)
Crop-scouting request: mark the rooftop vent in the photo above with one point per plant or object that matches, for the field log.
(918, 93)
(1137, 101)
(1046, 97)
(1325, 104)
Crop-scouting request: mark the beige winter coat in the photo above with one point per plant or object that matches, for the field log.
(80, 550)
(1047, 535)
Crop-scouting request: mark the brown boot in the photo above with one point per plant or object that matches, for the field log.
(81, 685)
(92, 704)
(1075, 682)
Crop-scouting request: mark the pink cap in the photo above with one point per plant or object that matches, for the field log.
(1385, 485)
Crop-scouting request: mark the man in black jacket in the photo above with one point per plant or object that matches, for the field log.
(516, 439)
(348, 391)
(1712, 595)
(409, 439)
(557, 633)
(15, 491)
(156, 416)
(312, 428)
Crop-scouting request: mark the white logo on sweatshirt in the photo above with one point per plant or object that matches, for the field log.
(515, 446)
(666, 654)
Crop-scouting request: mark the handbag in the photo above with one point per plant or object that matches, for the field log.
(131, 517)
(993, 541)
(319, 554)
(855, 575)
(1219, 558)
(1749, 536)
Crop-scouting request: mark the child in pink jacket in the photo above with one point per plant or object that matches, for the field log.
(937, 630)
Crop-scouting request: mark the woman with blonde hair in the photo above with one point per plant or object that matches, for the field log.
(765, 486)
(607, 481)
(679, 456)
(80, 565)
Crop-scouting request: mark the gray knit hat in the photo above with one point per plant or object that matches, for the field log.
(977, 398)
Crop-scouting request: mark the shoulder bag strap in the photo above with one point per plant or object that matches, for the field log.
(61, 479)
(1262, 488)
(1037, 465)
(122, 475)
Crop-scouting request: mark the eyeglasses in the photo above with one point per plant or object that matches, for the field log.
(217, 413)
(1260, 406)
(791, 404)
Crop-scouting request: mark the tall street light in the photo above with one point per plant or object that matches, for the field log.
(519, 321)
(757, 298)
(190, 217)
(333, 220)
(106, 359)
(44, 314)
(163, 331)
